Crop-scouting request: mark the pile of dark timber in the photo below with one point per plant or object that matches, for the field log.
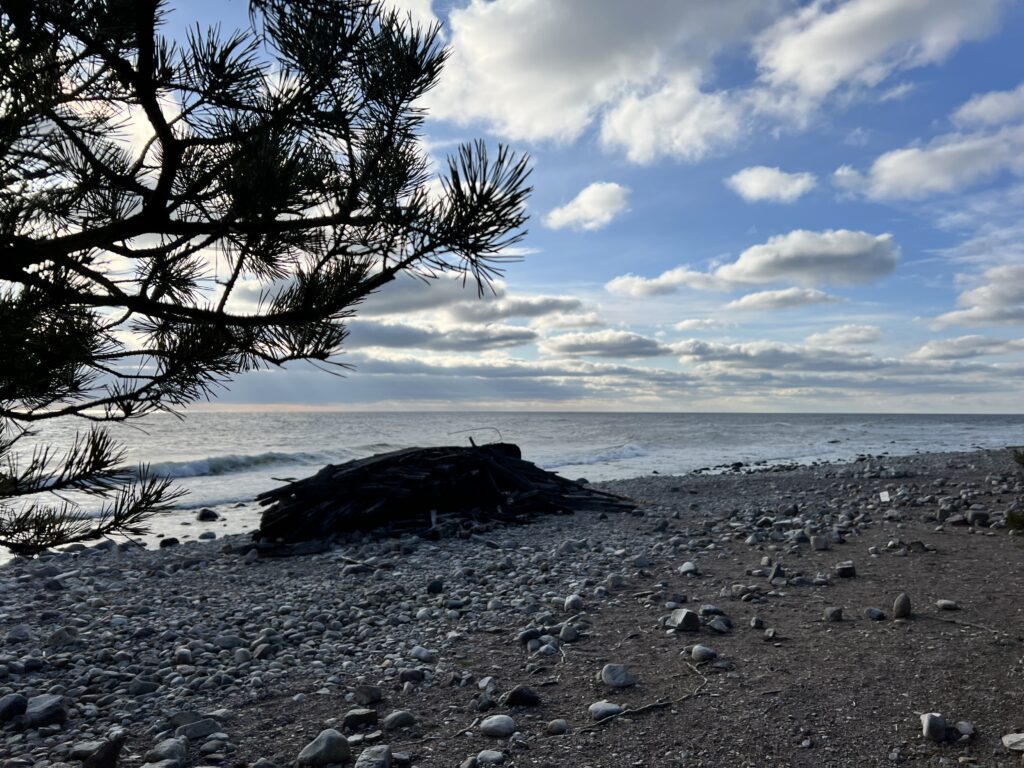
(432, 492)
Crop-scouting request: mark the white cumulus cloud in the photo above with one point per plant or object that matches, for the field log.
(537, 70)
(997, 300)
(964, 347)
(947, 164)
(604, 344)
(786, 298)
(808, 258)
(859, 43)
(593, 208)
(677, 120)
(845, 335)
(763, 183)
(992, 108)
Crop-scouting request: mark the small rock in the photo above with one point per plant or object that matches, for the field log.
(358, 718)
(367, 695)
(521, 696)
(901, 606)
(689, 569)
(206, 515)
(12, 705)
(617, 676)
(834, 614)
(199, 729)
(45, 709)
(683, 620)
(329, 747)
(601, 709)
(701, 653)
(1014, 742)
(375, 757)
(557, 727)
(422, 654)
(874, 614)
(573, 603)
(490, 757)
(106, 754)
(947, 605)
(168, 749)
(846, 570)
(499, 726)
(398, 719)
(933, 726)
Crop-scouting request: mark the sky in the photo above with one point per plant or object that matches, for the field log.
(740, 205)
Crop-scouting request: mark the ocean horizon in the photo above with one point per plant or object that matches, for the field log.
(228, 456)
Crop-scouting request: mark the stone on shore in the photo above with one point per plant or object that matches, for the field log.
(12, 705)
(1014, 742)
(498, 726)
(45, 709)
(398, 719)
(683, 620)
(933, 726)
(901, 606)
(329, 747)
(557, 727)
(701, 653)
(617, 676)
(599, 710)
(378, 756)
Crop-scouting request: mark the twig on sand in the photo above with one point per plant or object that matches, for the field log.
(436, 737)
(660, 704)
(967, 624)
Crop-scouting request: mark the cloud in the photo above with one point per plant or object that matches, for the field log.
(450, 298)
(964, 347)
(696, 324)
(404, 335)
(536, 70)
(825, 46)
(992, 108)
(677, 120)
(831, 257)
(407, 294)
(560, 320)
(835, 256)
(604, 344)
(787, 298)
(948, 164)
(762, 183)
(593, 208)
(997, 300)
(488, 310)
(845, 335)
(665, 283)
(774, 356)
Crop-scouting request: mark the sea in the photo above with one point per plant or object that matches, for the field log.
(224, 459)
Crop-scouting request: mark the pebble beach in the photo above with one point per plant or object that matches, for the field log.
(851, 614)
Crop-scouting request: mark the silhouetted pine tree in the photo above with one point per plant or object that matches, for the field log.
(175, 212)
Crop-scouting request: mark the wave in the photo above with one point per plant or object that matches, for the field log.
(601, 456)
(234, 463)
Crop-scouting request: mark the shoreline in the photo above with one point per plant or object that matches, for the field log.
(132, 638)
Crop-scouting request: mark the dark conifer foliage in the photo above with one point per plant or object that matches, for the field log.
(176, 212)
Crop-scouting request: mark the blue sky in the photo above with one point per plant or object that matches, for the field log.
(739, 205)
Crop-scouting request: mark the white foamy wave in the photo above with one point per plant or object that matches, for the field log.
(232, 463)
(600, 456)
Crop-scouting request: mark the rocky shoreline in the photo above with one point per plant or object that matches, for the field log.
(853, 614)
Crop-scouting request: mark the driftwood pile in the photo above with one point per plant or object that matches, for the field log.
(431, 492)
